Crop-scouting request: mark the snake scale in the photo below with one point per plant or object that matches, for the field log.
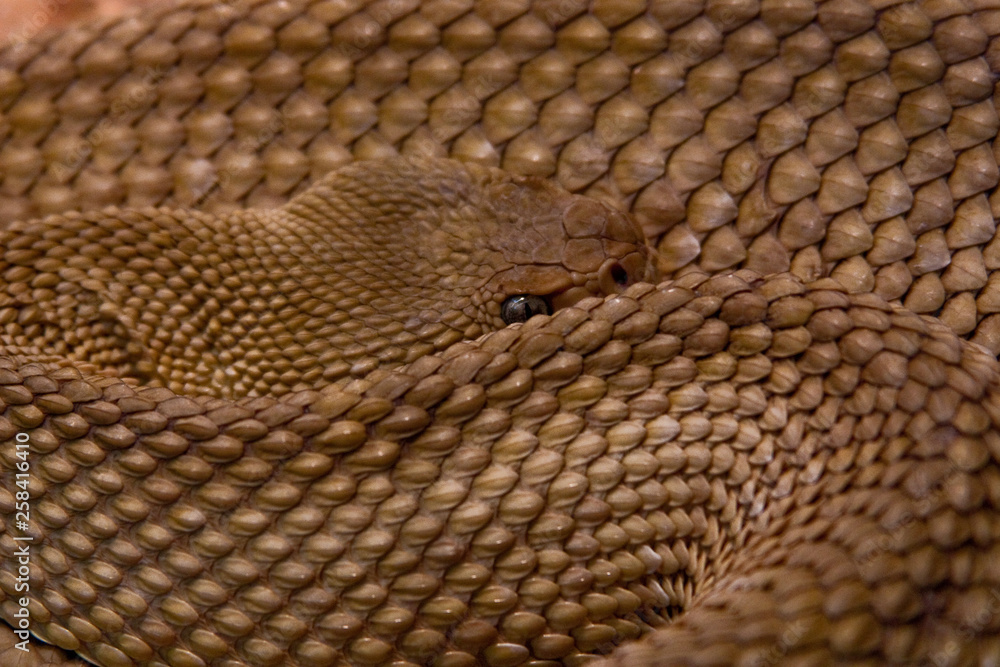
(786, 453)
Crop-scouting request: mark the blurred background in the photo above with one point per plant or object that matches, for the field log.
(21, 19)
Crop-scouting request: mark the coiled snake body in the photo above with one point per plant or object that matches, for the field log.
(785, 453)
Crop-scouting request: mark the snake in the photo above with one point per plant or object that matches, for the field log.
(784, 452)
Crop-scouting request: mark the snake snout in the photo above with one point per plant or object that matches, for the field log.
(626, 256)
(612, 277)
(616, 274)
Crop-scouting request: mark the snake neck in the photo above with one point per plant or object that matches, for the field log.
(241, 304)
(376, 266)
(337, 299)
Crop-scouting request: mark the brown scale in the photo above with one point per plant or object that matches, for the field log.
(798, 114)
(841, 106)
(744, 467)
(831, 140)
(426, 253)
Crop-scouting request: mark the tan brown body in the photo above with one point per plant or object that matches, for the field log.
(748, 470)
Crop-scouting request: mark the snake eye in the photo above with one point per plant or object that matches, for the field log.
(523, 307)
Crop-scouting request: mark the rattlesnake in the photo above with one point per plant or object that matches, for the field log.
(787, 469)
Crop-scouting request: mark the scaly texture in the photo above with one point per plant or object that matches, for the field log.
(845, 138)
(835, 139)
(378, 264)
(780, 469)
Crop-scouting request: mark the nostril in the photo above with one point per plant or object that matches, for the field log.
(619, 275)
(612, 277)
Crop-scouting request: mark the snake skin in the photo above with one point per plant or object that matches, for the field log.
(793, 469)
(245, 304)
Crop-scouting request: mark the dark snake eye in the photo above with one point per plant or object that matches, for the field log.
(522, 307)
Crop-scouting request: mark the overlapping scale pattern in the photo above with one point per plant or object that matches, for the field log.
(377, 265)
(747, 470)
(805, 460)
(836, 138)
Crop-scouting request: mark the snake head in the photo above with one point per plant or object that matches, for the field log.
(431, 241)
(546, 249)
